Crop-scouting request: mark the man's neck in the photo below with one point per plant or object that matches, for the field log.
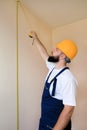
(60, 65)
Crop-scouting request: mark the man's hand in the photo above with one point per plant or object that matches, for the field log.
(33, 35)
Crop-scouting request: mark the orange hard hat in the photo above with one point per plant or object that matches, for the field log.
(68, 47)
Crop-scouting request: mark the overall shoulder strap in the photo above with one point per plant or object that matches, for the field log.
(59, 73)
(55, 80)
(50, 74)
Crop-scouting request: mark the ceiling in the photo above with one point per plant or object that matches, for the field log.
(57, 13)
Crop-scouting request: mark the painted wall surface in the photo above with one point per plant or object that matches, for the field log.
(32, 70)
(7, 66)
(78, 32)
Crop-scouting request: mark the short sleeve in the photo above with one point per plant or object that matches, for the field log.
(69, 92)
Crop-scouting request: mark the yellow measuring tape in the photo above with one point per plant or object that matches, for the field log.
(26, 14)
(18, 2)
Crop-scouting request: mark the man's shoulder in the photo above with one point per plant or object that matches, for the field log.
(68, 76)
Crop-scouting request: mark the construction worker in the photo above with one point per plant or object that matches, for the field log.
(59, 94)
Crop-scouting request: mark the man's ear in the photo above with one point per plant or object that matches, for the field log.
(62, 56)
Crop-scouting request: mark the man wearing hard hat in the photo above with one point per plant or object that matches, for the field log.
(59, 94)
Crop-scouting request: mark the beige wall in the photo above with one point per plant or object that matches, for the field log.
(7, 66)
(78, 32)
(32, 69)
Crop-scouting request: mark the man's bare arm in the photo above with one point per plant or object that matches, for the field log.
(39, 46)
(64, 118)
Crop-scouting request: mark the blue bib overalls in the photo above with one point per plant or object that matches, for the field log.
(51, 107)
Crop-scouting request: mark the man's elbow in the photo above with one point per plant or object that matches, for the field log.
(69, 110)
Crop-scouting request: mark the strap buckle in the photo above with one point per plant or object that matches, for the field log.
(49, 127)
